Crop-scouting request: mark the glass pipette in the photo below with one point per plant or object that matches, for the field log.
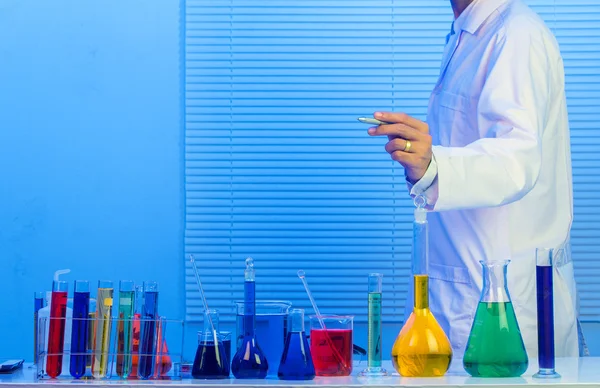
(212, 326)
(338, 356)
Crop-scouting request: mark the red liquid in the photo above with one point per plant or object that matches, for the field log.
(56, 336)
(327, 363)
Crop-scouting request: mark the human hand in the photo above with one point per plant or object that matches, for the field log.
(409, 142)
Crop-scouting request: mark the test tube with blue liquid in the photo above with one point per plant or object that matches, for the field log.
(148, 331)
(545, 262)
(79, 331)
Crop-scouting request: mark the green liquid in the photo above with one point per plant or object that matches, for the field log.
(125, 332)
(374, 345)
(495, 347)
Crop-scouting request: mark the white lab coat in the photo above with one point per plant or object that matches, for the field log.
(500, 181)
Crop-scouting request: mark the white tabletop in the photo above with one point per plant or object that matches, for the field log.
(575, 372)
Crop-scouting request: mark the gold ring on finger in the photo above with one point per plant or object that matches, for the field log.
(407, 146)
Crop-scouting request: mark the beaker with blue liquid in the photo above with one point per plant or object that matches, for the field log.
(271, 329)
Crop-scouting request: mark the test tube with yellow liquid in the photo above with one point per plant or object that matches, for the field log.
(422, 349)
(102, 326)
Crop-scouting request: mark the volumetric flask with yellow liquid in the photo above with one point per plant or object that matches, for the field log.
(422, 349)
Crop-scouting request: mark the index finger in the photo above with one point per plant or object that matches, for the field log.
(402, 118)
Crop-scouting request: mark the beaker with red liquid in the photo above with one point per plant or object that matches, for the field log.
(331, 345)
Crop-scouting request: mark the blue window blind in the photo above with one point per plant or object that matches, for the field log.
(277, 167)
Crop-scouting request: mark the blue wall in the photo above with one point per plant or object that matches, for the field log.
(90, 151)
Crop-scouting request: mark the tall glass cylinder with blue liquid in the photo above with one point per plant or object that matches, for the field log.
(79, 332)
(125, 328)
(249, 362)
(545, 312)
(102, 326)
(148, 331)
(374, 355)
(422, 349)
(296, 360)
(495, 347)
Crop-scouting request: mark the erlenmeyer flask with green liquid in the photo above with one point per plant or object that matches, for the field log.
(495, 347)
(422, 348)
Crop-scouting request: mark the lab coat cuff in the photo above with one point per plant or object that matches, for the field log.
(445, 191)
(427, 185)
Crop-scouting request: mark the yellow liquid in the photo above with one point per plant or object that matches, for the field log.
(422, 349)
(102, 332)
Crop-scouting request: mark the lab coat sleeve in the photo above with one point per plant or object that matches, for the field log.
(504, 164)
(421, 187)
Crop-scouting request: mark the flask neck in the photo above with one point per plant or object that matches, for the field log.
(421, 288)
(494, 282)
(249, 307)
(297, 318)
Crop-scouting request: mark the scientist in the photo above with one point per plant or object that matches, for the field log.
(494, 163)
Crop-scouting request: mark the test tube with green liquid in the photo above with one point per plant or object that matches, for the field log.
(102, 325)
(125, 327)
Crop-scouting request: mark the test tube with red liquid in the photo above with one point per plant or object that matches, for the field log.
(56, 336)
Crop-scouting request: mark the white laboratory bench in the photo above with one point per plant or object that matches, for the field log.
(575, 372)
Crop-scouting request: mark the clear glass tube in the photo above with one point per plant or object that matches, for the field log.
(420, 246)
(38, 303)
(374, 355)
(545, 313)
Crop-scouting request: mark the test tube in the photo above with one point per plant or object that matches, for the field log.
(148, 332)
(374, 368)
(79, 331)
(545, 313)
(102, 325)
(125, 327)
(38, 303)
(56, 337)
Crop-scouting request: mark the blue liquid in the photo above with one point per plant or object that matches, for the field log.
(79, 333)
(206, 365)
(271, 332)
(296, 362)
(545, 314)
(148, 334)
(249, 362)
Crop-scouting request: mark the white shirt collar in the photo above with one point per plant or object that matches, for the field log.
(475, 14)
